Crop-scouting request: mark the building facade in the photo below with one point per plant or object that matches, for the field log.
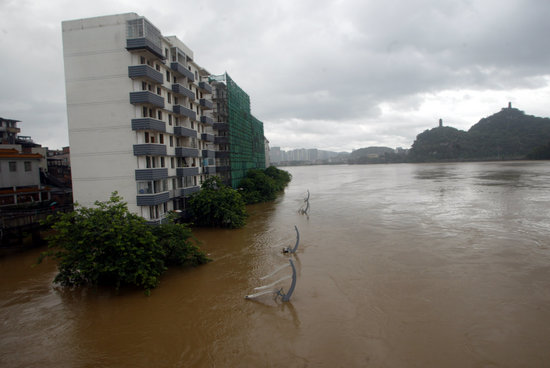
(139, 114)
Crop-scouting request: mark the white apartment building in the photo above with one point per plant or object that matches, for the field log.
(139, 114)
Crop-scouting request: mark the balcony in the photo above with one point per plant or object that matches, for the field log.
(222, 154)
(207, 120)
(207, 137)
(187, 171)
(149, 149)
(206, 104)
(187, 152)
(221, 127)
(181, 69)
(146, 72)
(185, 132)
(146, 97)
(148, 124)
(205, 87)
(144, 43)
(188, 191)
(221, 169)
(151, 174)
(184, 111)
(152, 199)
(210, 170)
(221, 140)
(208, 154)
(181, 90)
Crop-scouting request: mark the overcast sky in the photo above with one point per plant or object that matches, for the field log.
(333, 75)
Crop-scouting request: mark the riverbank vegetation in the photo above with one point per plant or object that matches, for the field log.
(217, 205)
(108, 245)
(263, 185)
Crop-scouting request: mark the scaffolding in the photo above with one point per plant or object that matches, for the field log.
(246, 133)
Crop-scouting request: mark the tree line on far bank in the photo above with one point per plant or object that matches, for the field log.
(109, 245)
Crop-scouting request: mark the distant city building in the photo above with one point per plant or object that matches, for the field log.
(142, 119)
(306, 156)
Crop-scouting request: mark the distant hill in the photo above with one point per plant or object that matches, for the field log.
(507, 135)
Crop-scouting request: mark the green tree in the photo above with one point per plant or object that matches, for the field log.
(257, 187)
(262, 185)
(179, 244)
(105, 245)
(217, 205)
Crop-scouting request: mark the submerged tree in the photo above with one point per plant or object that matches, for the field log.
(108, 245)
(263, 185)
(217, 205)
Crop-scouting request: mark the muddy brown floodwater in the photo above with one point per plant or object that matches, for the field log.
(431, 265)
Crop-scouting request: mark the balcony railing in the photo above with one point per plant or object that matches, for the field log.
(208, 153)
(221, 169)
(205, 87)
(151, 174)
(207, 120)
(221, 140)
(149, 149)
(145, 71)
(181, 69)
(206, 104)
(221, 127)
(181, 90)
(210, 170)
(188, 191)
(144, 43)
(148, 124)
(207, 137)
(187, 152)
(152, 199)
(146, 97)
(222, 154)
(187, 171)
(185, 132)
(184, 111)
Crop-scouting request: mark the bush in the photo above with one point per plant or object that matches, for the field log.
(217, 205)
(179, 245)
(263, 185)
(108, 245)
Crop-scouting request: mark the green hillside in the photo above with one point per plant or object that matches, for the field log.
(507, 135)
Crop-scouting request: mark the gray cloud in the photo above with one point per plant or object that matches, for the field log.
(328, 74)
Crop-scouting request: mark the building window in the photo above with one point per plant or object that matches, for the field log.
(159, 114)
(171, 141)
(162, 162)
(146, 137)
(159, 92)
(168, 76)
(169, 119)
(161, 138)
(148, 162)
(157, 67)
(27, 166)
(172, 163)
(175, 100)
(144, 111)
(13, 166)
(169, 97)
(142, 60)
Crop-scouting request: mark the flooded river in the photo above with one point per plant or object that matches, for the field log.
(429, 265)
